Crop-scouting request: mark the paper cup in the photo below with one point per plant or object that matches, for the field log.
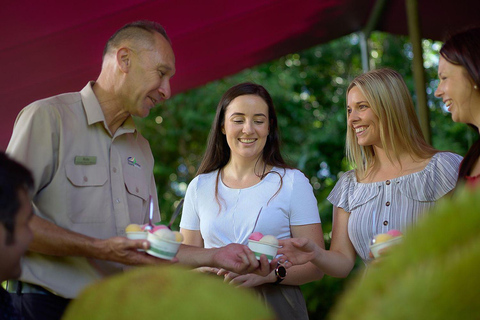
(137, 235)
(260, 248)
(161, 248)
(375, 248)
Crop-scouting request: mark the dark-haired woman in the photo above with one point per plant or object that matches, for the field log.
(244, 185)
(459, 88)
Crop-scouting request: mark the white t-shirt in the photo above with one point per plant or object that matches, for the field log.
(234, 221)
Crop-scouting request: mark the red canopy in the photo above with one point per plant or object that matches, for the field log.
(50, 47)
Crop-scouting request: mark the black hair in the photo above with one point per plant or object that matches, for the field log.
(14, 177)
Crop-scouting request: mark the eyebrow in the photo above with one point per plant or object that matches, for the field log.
(358, 102)
(242, 114)
(165, 68)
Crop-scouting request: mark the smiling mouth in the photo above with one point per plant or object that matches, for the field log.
(247, 140)
(360, 129)
(153, 101)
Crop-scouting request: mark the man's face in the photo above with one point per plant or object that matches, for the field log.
(149, 77)
(10, 254)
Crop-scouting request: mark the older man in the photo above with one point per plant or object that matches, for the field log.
(93, 175)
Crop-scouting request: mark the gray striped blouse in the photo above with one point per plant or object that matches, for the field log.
(392, 204)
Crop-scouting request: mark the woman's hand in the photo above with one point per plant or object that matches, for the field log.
(207, 270)
(245, 280)
(298, 250)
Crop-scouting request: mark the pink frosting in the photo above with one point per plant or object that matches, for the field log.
(159, 227)
(256, 236)
(394, 233)
(155, 228)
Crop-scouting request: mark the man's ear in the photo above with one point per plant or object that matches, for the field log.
(124, 59)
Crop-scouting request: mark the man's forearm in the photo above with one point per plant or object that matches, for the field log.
(195, 256)
(51, 239)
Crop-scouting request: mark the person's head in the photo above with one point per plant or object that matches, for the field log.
(381, 114)
(138, 63)
(16, 183)
(245, 125)
(459, 73)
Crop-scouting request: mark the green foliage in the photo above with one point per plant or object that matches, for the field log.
(308, 89)
(165, 292)
(429, 275)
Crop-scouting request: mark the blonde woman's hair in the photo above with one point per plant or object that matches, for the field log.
(400, 131)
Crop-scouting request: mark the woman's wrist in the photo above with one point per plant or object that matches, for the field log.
(271, 277)
(319, 255)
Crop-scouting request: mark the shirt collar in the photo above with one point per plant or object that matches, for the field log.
(94, 112)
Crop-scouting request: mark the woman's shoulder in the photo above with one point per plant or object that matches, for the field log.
(346, 181)
(437, 179)
(446, 157)
(204, 178)
(347, 178)
(443, 161)
(349, 194)
(291, 174)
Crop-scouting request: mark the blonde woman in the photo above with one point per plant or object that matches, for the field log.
(398, 176)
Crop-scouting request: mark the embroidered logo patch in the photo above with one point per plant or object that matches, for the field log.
(133, 162)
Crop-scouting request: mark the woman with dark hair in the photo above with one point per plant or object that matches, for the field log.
(459, 73)
(244, 185)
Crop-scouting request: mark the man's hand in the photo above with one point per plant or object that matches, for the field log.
(123, 250)
(240, 259)
(237, 258)
(298, 250)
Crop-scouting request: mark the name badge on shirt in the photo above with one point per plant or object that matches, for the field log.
(85, 160)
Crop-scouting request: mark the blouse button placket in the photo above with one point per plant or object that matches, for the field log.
(388, 198)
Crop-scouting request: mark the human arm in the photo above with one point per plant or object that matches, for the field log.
(336, 262)
(194, 238)
(233, 257)
(51, 239)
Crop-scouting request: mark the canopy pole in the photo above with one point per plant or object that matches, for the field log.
(418, 71)
(364, 35)
(365, 51)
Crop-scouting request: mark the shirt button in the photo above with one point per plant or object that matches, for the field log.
(388, 203)
(114, 170)
(85, 178)
(117, 200)
(385, 223)
(387, 182)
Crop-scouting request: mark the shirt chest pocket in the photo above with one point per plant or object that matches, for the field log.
(87, 193)
(138, 193)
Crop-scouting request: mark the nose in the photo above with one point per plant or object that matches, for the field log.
(352, 117)
(247, 127)
(438, 92)
(164, 89)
